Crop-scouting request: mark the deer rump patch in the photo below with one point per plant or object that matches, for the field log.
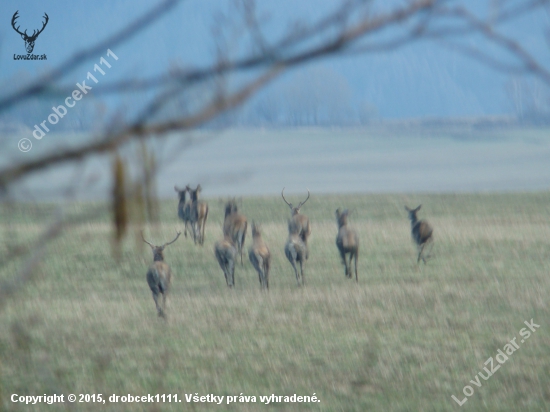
(158, 277)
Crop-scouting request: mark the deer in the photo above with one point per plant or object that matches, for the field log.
(184, 208)
(347, 242)
(301, 221)
(198, 213)
(29, 40)
(235, 225)
(421, 232)
(226, 252)
(296, 250)
(259, 256)
(159, 275)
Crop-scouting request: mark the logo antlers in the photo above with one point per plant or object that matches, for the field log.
(29, 40)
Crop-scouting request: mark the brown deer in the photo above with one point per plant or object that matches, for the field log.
(198, 214)
(421, 232)
(301, 221)
(226, 252)
(347, 242)
(184, 208)
(235, 225)
(259, 256)
(296, 250)
(159, 275)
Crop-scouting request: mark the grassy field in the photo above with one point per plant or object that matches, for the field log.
(405, 338)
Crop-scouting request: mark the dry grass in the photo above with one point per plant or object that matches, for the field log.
(407, 337)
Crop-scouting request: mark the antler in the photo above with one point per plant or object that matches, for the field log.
(283, 195)
(15, 16)
(302, 203)
(43, 26)
(176, 238)
(152, 246)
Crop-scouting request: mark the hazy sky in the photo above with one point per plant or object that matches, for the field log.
(420, 80)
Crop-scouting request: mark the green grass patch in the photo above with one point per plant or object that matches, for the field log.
(405, 338)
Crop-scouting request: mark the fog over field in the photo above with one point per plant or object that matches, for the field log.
(261, 162)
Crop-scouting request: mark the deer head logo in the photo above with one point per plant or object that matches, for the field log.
(29, 40)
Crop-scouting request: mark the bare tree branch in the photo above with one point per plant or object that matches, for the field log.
(138, 130)
(41, 85)
(527, 61)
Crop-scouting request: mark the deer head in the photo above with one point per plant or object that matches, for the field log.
(231, 207)
(342, 217)
(181, 193)
(412, 213)
(294, 210)
(158, 250)
(29, 40)
(194, 193)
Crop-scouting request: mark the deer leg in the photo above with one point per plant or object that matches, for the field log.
(263, 275)
(356, 278)
(231, 269)
(266, 274)
(429, 250)
(164, 297)
(225, 275)
(156, 299)
(343, 256)
(295, 272)
(241, 251)
(420, 250)
(204, 225)
(258, 265)
(199, 232)
(195, 234)
(302, 272)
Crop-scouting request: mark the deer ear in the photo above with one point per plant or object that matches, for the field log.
(407, 209)
(199, 188)
(418, 208)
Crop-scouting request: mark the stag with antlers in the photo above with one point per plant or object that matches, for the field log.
(159, 275)
(301, 222)
(198, 213)
(29, 40)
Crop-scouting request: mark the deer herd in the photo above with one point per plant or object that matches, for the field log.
(194, 212)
